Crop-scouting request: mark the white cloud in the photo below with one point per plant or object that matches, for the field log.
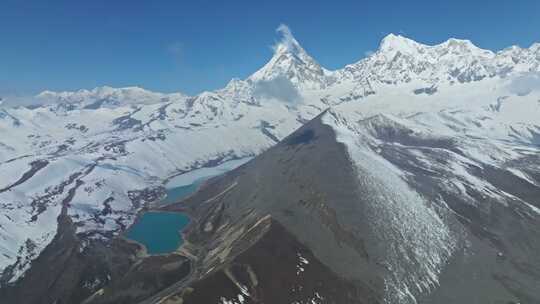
(279, 88)
(524, 84)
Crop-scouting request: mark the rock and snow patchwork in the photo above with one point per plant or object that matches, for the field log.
(315, 299)
(401, 218)
(108, 151)
(105, 174)
(395, 142)
(302, 262)
(239, 300)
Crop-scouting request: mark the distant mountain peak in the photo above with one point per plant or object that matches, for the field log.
(463, 47)
(293, 62)
(105, 96)
(397, 42)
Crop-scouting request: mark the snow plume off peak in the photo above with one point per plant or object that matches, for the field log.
(287, 40)
(279, 88)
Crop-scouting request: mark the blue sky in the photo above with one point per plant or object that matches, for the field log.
(191, 46)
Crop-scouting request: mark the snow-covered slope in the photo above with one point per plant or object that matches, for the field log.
(416, 158)
(101, 155)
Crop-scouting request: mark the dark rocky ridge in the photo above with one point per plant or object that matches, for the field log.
(270, 271)
(308, 184)
(280, 195)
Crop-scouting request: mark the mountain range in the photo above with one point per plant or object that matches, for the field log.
(395, 178)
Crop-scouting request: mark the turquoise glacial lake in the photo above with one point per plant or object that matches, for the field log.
(159, 232)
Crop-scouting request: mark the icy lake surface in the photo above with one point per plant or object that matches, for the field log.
(186, 184)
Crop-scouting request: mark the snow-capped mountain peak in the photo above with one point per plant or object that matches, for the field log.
(290, 60)
(393, 43)
(402, 60)
(103, 154)
(288, 44)
(463, 48)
